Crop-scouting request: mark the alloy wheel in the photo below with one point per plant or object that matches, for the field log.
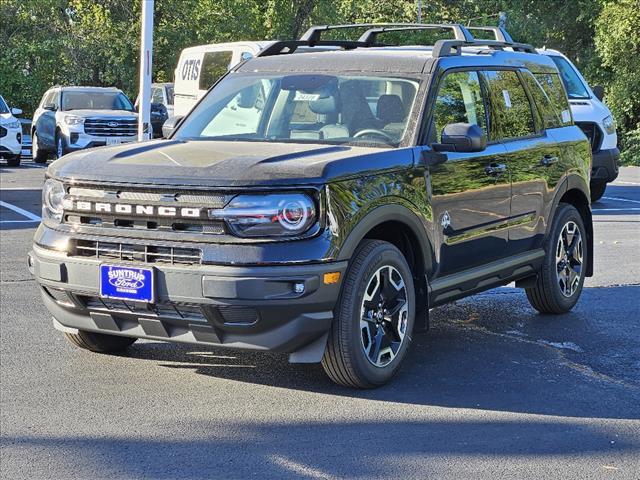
(569, 259)
(59, 148)
(383, 316)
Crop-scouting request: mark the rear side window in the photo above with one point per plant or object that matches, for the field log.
(509, 107)
(553, 87)
(459, 100)
(573, 84)
(548, 116)
(214, 65)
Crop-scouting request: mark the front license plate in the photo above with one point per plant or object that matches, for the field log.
(114, 141)
(127, 283)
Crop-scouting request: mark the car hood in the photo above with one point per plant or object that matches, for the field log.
(226, 164)
(100, 113)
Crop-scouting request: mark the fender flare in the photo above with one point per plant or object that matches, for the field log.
(385, 213)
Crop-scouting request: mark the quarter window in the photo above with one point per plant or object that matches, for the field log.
(459, 100)
(214, 66)
(509, 107)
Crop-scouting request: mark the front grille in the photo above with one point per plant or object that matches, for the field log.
(132, 252)
(593, 133)
(120, 209)
(3, 132)
(174, 310)
(102, 127)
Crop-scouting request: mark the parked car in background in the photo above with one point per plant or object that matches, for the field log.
(201, 66)
(10, 134)
(589, 113)
(73, 118)
(161, 106)
(25, 123)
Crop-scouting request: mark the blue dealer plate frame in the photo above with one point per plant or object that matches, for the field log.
(126, 282)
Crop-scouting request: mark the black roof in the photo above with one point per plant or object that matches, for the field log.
(404, 59)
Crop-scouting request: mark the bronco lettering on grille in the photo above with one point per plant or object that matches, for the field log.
(142, 210)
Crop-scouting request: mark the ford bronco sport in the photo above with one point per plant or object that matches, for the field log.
(372, 184)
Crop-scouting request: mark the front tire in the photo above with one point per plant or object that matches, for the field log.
(39, 155)
(14, 161)
(99, 342)
(597, 191)
(374, 318)
(561, 277)
(61, 145)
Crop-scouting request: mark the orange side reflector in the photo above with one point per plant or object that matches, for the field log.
(331, 277)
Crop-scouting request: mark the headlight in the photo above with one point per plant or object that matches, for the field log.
(73, 120)
(609, 125)
(12, 125)
(52, 198)
(271, 215)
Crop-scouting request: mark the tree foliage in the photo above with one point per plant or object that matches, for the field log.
(47, 42)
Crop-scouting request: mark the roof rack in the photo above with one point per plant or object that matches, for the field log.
(500, 33)
(460, 32)
(290, 46)
(314, 33)
(448, 48)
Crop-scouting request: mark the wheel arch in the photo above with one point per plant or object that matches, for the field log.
(398, 225)
(576, 193)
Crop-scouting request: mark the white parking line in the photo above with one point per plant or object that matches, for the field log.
(633, 209)
(20, 211)
(617, 199)
(626, 183)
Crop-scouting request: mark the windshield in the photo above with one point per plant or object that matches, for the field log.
(3, 106)
(95, 101)
(573, 84)
(310, 108)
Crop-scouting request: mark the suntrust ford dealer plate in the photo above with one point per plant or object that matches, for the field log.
(127, 283)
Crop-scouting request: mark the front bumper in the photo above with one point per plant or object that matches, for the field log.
(80, 140)
(11, 143)
(248, 307)
(604, 168)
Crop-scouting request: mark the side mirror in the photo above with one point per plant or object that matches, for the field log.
(49, 106)
(170, 125)
(16, 111)
(461, 137)
(598, 91)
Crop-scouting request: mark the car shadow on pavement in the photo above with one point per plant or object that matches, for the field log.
(323, 449)
(491, 352)
(618, 200)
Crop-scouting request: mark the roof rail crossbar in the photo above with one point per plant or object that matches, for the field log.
(500, 33)
(289, 46)
(314, 33)
(460, 32)
(448, 48)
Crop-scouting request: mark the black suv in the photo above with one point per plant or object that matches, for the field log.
(320, 203)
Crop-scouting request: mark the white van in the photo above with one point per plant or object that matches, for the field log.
(588, 111)
(200, 67)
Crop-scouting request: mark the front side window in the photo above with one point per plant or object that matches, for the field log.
(459, 100)
(156, 95)
(169, 90)
(78, 100)
(509, 107)
(214, 66)
(575, 87)
(304, 108)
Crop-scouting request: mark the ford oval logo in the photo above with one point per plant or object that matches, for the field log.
(127, 279)
(113, 124)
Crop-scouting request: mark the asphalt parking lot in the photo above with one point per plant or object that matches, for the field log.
(492, 390)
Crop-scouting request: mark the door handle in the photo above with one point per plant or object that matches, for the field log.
(548, 160)
(495, 169)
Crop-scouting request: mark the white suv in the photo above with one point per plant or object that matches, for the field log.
(73, 118)
(10, 134)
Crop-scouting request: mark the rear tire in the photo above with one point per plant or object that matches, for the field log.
(99, 342)
(374, 318)
(597, 191)
(39, 155)
(14, 162)
(561, 276)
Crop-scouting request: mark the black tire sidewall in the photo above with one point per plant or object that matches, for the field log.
(565, 214)
(597, 191)
(385, 254)
(41, 156)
